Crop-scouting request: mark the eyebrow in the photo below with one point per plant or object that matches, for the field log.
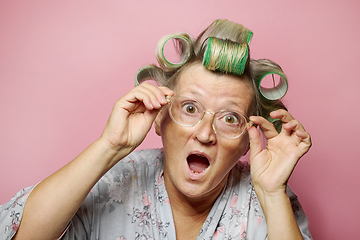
(236, 107)
(239, 107)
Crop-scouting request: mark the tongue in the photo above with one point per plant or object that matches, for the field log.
(197, 163)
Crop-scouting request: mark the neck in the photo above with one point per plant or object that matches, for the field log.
(195, 208)
(189, 213)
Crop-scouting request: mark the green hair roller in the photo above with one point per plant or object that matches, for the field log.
(276, 92)
(149, 72)
(226, 56)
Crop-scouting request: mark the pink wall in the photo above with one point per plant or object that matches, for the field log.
(63, 64)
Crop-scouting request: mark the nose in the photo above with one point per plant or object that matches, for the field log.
(204, 129)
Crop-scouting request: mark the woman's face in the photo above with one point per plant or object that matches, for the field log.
(197, 160)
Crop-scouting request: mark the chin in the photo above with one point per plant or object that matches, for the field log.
(200, 190)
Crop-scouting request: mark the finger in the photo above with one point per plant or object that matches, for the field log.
(284, 116)
(302, 134)
(150, 97)
(155, 96)
(255, 141)
(268, 128)
(303, 140)
(305, 144)
(289, 123)
(293, 125)
(281, 114)
(167, 91)
(135, 100)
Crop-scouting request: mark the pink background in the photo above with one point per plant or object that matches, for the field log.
(63, 64)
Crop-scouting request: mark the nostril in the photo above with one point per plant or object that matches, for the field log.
(205, 132)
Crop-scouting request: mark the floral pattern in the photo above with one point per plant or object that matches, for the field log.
(131, 202)
(12, 211)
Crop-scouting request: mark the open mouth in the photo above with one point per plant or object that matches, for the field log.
(197, 163)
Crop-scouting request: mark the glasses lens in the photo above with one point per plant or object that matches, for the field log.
(188, 112)
(229, 124)
(185, 111)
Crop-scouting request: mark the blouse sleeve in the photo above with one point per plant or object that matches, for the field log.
(300, 215)
(11, 213)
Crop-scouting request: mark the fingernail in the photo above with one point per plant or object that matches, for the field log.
(158, 105)
(249, 125)
(163, 100)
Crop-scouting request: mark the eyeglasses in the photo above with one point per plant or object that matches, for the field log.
(188, 112)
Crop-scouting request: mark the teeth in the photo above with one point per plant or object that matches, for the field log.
(197, 172)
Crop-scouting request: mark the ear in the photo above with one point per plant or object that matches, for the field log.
(158, 122)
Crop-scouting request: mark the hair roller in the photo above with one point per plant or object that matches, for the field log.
(277, 91)
(150, 72)
(223, 29)
(226, 56)
(261, 68)
(183, 43)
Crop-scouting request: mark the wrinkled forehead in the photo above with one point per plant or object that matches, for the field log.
(197, 71)
(196, 80)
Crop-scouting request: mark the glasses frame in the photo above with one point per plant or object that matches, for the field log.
(172, 99)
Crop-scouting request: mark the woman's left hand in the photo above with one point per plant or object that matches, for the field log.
(272, 166)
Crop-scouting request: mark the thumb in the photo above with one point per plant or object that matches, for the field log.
(255, 141)
(150, 115)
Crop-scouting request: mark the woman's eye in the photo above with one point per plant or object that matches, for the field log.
(190, 108)
(230, 119)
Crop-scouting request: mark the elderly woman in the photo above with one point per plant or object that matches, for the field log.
(208, 113)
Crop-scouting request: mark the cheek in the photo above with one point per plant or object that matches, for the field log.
(234, 150)
(171, 133)
(166, 125)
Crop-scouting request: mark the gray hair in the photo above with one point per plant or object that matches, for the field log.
(192, 51)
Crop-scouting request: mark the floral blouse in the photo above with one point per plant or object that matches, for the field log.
(131, 202)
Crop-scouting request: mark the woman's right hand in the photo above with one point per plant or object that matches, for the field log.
(59, 196)
(132, 117)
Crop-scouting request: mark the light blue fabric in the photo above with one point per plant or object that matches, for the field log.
(131, 202)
